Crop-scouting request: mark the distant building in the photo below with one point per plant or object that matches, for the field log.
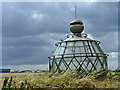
(4, 70)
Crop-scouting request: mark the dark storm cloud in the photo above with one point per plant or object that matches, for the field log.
(102, 17)
(26, 19)
(25, 55)
(31, 29)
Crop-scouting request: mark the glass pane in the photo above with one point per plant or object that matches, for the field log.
(69, 48)
(99, 48)
(62, 66)
(78, 46)
(57, 50)
(95, 47)
(67, 60)
(91, 47)
(87, 47)
(60, 49)
(98, 67)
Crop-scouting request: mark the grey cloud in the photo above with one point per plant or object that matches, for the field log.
(110, 42)
(31, 29)
(29, 49)
(25, 55)
(26, 41)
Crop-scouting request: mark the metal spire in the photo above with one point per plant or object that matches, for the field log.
(75, 12)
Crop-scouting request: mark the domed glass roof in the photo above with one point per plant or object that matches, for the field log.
(78, 52)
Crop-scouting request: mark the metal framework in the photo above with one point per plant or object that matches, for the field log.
(84, 54)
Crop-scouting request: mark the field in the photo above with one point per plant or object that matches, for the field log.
(61, 80)
(5, 74)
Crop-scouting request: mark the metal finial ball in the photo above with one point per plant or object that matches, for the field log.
(76, 26)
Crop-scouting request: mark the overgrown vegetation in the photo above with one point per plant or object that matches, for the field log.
(64, 80)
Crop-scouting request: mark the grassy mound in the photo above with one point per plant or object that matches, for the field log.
(69, 79)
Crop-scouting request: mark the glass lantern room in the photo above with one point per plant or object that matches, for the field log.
(78, 52)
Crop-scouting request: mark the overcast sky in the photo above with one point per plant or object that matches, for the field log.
(30, 30)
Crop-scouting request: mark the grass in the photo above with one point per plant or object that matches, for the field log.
(62, 80)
